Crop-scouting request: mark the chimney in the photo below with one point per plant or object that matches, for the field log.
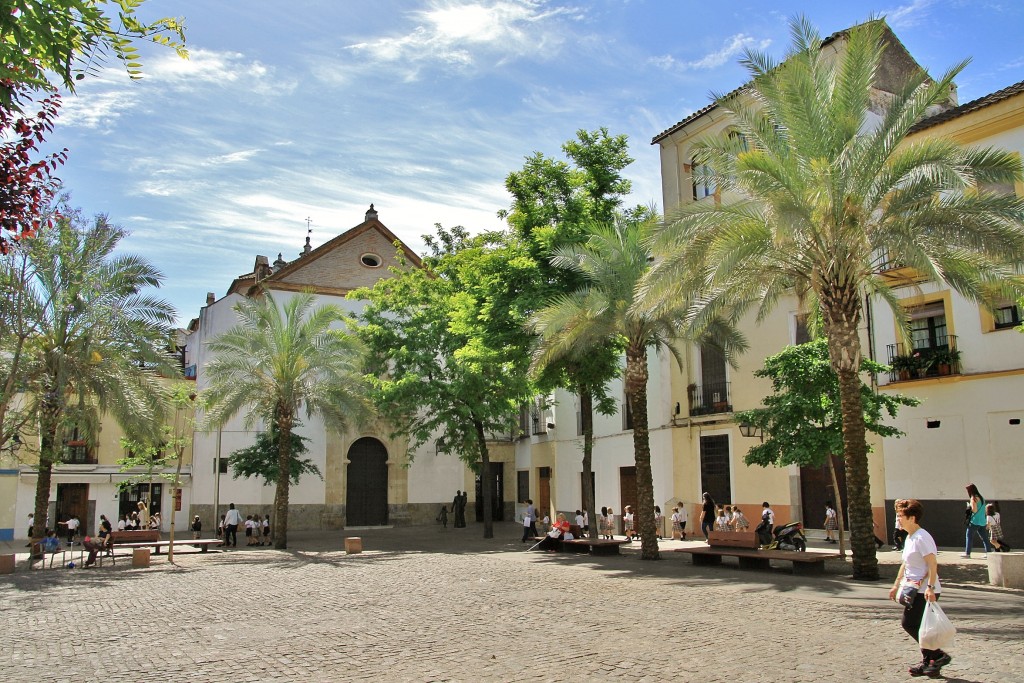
(210, 298)
(261, 268)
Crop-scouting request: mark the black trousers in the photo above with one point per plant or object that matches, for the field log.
(912, 616)
(231, 534)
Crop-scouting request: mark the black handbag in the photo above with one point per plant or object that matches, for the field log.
(907, 594)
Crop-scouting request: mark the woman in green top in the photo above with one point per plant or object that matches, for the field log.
(978, 522)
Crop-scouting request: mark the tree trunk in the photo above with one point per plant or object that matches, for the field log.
(587, 418)
(48, 454)
(285, 421)
(636, 392)
(841, 310)
(485, 479)
(839, 507)
(174, 499)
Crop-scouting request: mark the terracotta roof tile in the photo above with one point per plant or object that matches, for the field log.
(974, 105)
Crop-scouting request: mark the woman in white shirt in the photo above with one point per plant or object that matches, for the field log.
(918, 576)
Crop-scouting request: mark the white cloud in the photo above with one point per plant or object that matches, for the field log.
(458, 34)
(733, 47)
(907, 15)
(234, 157)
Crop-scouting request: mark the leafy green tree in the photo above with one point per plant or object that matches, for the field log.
(821, 195)
(69, 38)
(612, 264)
(278, 358)
(449, 355)
(802, 418)
(156, 457)
(552, 203)
(99, 341)
(261, 459)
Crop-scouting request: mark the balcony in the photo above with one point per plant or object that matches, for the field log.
(923, 360)
(78, 453)
(710, 399)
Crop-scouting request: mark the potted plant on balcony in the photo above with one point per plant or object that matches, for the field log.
(945, 360)
(903, 366)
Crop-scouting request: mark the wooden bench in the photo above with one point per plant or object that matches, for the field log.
(202, 543)
(804, 563)
(733, 539)
(126, 537)
(595, 546)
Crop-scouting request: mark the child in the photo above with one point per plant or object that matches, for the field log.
(721, 522)
(677, 531)
(220, 527)
(197, 527)
(740, 522)
(546, 522)
(602, 523)
(266, 529)
(608, 524)
(442, 516)
(248, 530)
(682, 520)
(995, 530)
(579, 519)
(728, 518)
(627, 522)
(831, 523)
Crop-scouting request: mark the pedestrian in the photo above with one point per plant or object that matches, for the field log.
(995, 530)
(579, 520)
(231, 521)
(220, 529)
(721, 521)
(105, 528)
(977, 522)
(531, 512)
(603, 524)
(526, 527)
(658, 520)
(197, 527)
(707, 515)
(740, 522)
(31, 517)
(920, 569)
(586, 521)
(155, 522)
(683, 518)
(266, 529)
(728, 517)
(72, 527)
(122, 523)
(442, 516)
(143, 515)
(677, 533)
(627, 522)
(458, 510)
(248, 531)
(898, 535)
(546, 523)
(831, 522)
(765, 528)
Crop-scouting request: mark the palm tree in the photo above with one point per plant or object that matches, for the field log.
(611, 264)
(278, 358)
(98, 343)
(829, 193)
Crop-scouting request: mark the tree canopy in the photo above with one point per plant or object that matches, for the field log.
(71, 38)
(261, 460)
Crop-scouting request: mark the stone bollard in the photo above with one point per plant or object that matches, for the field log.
(140, 557)
(353, 545)
(6, 564)
(1006, 569)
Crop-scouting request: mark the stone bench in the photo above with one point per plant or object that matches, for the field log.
(1006, 569)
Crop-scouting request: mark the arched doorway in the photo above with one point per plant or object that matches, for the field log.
(366, 496)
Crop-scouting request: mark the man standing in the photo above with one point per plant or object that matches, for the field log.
(231, 522)
(529, 521)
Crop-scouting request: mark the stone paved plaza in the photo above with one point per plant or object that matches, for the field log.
(431, 605)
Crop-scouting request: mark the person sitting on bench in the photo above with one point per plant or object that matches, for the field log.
(93, 545)
(559, 530)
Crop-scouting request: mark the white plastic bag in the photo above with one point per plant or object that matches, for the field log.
(937, 631)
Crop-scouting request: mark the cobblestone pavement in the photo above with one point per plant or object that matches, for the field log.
(427, 604)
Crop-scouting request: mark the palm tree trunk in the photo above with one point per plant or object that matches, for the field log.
(285, 421)
(48, 454)
(587, 419)
(485, 479)
(841, 312)
(636, 391)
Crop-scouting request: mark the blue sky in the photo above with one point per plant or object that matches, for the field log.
(316, 108)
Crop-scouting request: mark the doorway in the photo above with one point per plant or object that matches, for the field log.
(816, 489)
(73, 499)
(366, 493)
(544, 491)
(627, 489)
(496, 481)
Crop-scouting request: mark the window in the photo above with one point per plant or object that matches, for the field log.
(801, 335)
(130, 497)
(522, 485)
(371, 260)
(1007, 316)
(928, 326)
(223, 465)
(703, 181)
(714, 467)
(77, 450)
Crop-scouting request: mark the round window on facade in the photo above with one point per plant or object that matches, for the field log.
(370, 260)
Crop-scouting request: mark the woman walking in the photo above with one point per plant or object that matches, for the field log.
(918, 583)
(707, 515)
(977, 521)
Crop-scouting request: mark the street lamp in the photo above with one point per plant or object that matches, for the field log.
(750, 430)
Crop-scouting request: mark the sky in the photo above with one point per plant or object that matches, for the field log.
(314, 109)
